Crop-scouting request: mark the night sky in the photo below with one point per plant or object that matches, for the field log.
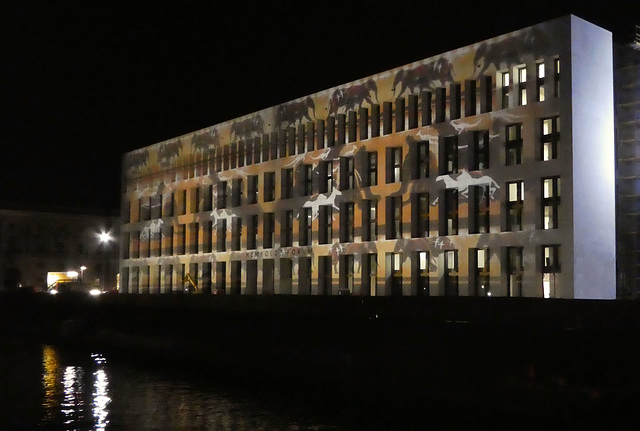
(84, 82)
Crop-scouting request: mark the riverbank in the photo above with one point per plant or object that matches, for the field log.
(580, 356)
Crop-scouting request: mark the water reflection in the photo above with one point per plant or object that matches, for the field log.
(88, 392)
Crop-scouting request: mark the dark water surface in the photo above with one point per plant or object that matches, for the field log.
(47, 387)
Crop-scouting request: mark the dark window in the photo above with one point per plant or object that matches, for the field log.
(369, 220)
(222, 235)
(369, 274)
(307, 180)
(252, 231)
(324, 275)
(268, 276)
(425, 108)
(550, 202)
(180, 237)
(269, 227)
(556, 77)
(305, 226)
(420, 215)
(286, 235)
(455, 102)
(470, 98)
(347, 274)
(480, 209)
(287, 183)
(346, 222)
(269, 186)
(450, 155)
(413, 111)
(252, 192)
(387, 117)
(372, 168)
(207, 233)
(222, 195)
(451, 273)
(515, 204)
(236, 234)
(394, 261)
(480, 150)
(326, 176)
(451, 211)
(421, 160)
(325, 215)
(399, 114)
(394, 165)
(515, 270)
(208, 198)
(347, 173)
(486, 94)
(513, 144)
(441, 104)
(353, 126)
(394, 217)
(550, 135)
(480, 271)
(237, 191)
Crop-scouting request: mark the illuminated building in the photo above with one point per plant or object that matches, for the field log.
(33, 243)
(487, 170)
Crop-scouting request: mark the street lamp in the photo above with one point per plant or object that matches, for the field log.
(104, 237)
(82, 268)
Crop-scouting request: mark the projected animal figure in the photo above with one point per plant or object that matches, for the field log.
(354, 96)
(422, 77)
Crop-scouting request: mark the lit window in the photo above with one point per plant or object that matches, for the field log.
(540, 81)
(481, 273)
(550, 266)
(550, 202)
(423, 274)
(513, 144)
(522, 86)
(515, 204)
(505, 89)
(451, 273)
(550, 137)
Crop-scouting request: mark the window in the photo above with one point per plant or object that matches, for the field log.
(325, 215)
(287, 183)
(514, 144)
(347, 274)
(252, 231)
(556, 77)
(422, 275)
(515, 270)
(540, 81)
(269, 186)
(394, 165)
(326, 175)
(395, 262)
(451, 211)
(222, 235)
(222, 195)
(480, 209)
(369, 220)
(394, 217)
(307, 178)
(515, 204)
(450, 162)
(324, 275)
(550, 202)
(550, 136)
(479, 264)
(305, 226)
(252, 192)
(480, 150)
(522, 86)
(207, 231)
(369, 274)
(195, 205)
(451, 273)
(346, 222)
(550, 266)
(421, 161)
(420, 215)
(372, 168)
(236, 233)
(237, 192)
(505, 89)
(286, 235)
(347, 173)
(269, 227)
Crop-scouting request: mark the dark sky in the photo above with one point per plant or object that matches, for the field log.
(84, 82)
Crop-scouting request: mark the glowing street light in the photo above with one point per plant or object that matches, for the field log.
(82, 268)
(104, 238)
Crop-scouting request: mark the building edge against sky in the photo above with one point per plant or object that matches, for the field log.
(486, 170)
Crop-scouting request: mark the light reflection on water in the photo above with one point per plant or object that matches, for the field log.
(90, 392)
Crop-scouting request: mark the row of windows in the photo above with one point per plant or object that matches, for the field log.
(479, 221)
(522, 80)
(478, 276)
(419, 157)
(417, 110)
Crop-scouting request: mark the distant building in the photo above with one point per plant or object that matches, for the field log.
(33, 243)
(627, 109)
(487, 170)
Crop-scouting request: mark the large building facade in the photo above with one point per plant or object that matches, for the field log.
(487, 171)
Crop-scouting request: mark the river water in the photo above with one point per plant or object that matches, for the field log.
(47, 387)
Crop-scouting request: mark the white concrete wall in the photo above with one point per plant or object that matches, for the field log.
(594, 250)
